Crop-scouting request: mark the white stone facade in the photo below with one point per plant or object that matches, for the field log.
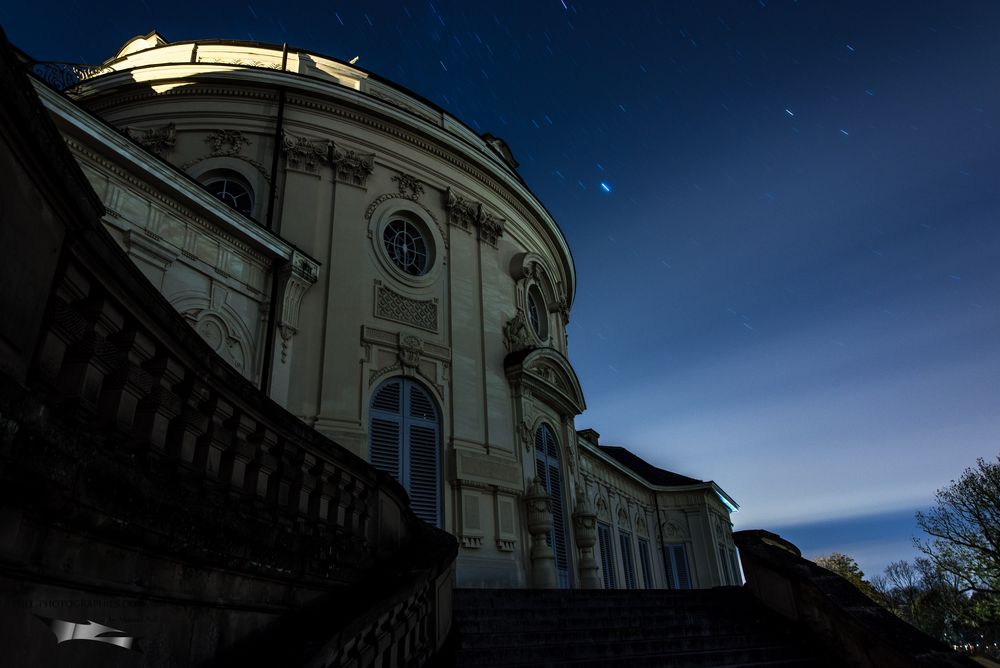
(296, 284)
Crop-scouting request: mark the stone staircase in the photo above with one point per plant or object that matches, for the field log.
(678, 629)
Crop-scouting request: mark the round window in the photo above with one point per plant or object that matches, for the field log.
(233, 193)
(537, 314)
(407, 247)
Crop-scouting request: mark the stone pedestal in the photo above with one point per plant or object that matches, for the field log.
(543, 563)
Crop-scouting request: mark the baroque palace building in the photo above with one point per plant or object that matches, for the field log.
(383, 273)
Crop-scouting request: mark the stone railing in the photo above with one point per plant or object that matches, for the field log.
(853, 629)
(138, 470)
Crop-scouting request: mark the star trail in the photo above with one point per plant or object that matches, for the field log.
(784, 217)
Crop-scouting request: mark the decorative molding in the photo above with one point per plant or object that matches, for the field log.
(390, 305)
(350, 166)
(516, 333)
(409, 187)
(247, 62)
(297, 276)
(153, 195)
(506, 544)
(370, 335)
(155, 140)
(467, 213)
(304, 153)
(462, 212)
(463, 483)
(399, 104)
(524, 432)
(410, 350)
(227, 142)
(491, 228)
(472, 542)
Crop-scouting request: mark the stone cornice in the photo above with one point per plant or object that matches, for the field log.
(458, 149)
(253, 237)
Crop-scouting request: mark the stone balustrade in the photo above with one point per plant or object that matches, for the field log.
(146, 484)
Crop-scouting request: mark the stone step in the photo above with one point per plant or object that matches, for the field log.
(519, 598)
(701, 625)
(672, 642)
(604, 654)
(722, 627)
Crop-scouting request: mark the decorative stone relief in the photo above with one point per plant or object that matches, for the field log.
(468, 214)
(462, 212)
(516, 335)
(490, 228)
(227, 142)
(156, 140)
(298, 276)
(640, 526)
(602, 509)
(524, 431)
(409, 187)
(213, 328)
(585, 525)
(391, 305)
(305, 153)
(351, 166)
(410, 348)
(562, 308)
(404, 353)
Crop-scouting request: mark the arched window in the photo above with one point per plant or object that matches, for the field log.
(548, 472)
(403, 441)
(231, 188)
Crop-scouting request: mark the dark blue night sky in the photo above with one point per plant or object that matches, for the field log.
(789, 280)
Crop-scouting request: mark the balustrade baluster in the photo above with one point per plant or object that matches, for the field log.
(126, 385)
(161, 405)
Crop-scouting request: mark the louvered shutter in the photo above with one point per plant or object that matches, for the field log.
(737, 577)
(676, 563)
(607, 557)
(681, 564)
(549, 475)
(386, 429)
(404, 442)
(727, 568)
(628, 563)
(644, 563)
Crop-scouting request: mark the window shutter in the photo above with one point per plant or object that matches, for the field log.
(737, 578)
(644, 563)
(424, 473)
(727, 568)
(404, 442)
(628, 562)
(676, 563)
(607, 557)
(548, 473)
(681, 564)
(384, 447)
(558, 523)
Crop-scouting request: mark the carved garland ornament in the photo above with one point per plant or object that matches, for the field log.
(156, 140)
(516, 335)
(468, 214)
(305, 153)
(352, 167)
